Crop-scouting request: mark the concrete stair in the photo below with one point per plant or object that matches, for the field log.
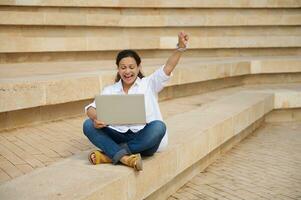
(209, 126)
(44, 31)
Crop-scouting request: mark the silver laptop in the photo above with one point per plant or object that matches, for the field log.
(121, 109)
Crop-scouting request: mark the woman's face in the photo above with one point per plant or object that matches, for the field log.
(128, 70)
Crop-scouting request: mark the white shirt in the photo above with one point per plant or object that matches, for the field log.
(150, 86)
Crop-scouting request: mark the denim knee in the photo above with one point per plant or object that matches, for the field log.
(159, 128)
(88, 124)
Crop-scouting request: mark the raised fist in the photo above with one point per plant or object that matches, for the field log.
(182, 39)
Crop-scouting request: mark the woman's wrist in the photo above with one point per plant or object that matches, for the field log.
(181, 49)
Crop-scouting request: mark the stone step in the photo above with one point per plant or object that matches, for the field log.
(40, 84)
(159, 3)
(16, 39)
(90, 56)
(208, 125)
(147, 17)
(48, 142)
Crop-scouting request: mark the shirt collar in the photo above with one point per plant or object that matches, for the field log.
(120, 87)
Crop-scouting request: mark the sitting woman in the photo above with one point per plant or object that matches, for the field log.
(126, 144)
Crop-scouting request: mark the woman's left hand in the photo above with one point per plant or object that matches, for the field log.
(183, 39)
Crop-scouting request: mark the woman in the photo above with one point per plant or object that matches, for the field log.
(126, 144)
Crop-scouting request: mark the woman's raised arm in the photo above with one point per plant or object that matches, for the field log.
(176, 55)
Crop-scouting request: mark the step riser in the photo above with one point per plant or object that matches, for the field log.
(48, 57)
(109, 17)
(284, 115)
(37, 115)
(272, 78)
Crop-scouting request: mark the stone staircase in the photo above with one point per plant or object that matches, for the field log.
(196, 134)
(77, 30)
(243, 62)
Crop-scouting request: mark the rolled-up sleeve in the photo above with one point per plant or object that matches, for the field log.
(159, 79)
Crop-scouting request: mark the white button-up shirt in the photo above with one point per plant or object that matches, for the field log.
(150, 86)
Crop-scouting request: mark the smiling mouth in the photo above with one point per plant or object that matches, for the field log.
(128, 76)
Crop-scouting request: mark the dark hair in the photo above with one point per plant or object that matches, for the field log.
(124, 54)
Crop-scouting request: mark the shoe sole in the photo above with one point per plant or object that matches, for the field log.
(90, 159)
(139, 165)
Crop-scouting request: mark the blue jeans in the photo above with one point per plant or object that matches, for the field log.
(116, 144)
